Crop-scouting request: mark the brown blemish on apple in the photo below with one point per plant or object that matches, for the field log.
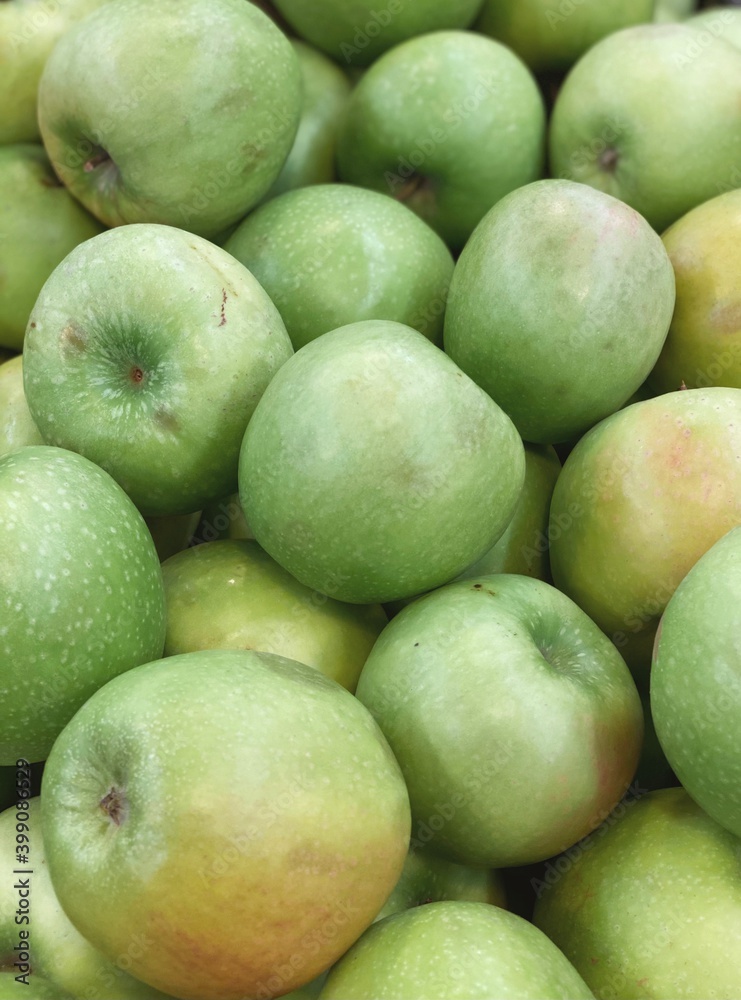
(223, 307)
(166, 419)
(416, 188)
(72, 338)
(115, 805)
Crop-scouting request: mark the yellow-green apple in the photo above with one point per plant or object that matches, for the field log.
(82, 577)
(232, 595)
(515, 721)
(649, 907)
(447, 123)
(373, 469)
(704, 343)
(641, 497)
(456, 950)
(559, 306)
(17, 429)
(179, 112)
(722, 22)
(40, 222)
(333, 254)
(666, 139)
(238, 808)
(147, 351)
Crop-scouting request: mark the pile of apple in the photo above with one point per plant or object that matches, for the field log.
(370, 500)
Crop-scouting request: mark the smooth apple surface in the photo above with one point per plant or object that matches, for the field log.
(673, 10)
(374, 469)
(718, 22)
(238, 808)
(17, 429)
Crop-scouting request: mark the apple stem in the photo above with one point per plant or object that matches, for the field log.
(115, 806)
(95, 161)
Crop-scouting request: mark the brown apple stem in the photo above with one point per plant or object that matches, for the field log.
(96, 161)
(115, 805)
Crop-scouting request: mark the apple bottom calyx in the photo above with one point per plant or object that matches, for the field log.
(115, 805)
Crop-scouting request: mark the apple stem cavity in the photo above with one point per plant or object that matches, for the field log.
(609, 160)
(115, 805)
(415, 187)
(136, 375)
(100, 157)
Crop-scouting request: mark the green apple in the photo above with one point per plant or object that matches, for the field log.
(696, 682)
(58, 952)
(515, 721)
(649, 908)
(17, 429)
(668, 137)
(553, 34)
(458, 951)
(10, 989)
(673, 10)
(704, 343)
(334, 254)
(447, 123)
(81, 574)
(374, 469)
(232, 595)
(559, 307)
(721, 22)
(172, 534)
(39, 224)
(642, 496)
(179, 112)
(357, 33)
(147, 351)
(241, 809)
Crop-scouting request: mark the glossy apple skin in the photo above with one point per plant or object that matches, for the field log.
(454, 950)
(448, 123)
(704, 343)
(147, 351)
(666, 140)
(650, 905)
(721, 22)
(41, 224)
(695, 682)
(180, 113)
(59, 953)
(559, 306)
(226, 766)
(81, 573)
(17, 429)
(515, 722)
(232, 595)
(334, 254)
(640, 499)
(374, 469)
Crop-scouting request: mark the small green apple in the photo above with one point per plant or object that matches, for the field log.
(374, 469)
(17, 429)
(719, 22)
(333, 254)
(147, 351)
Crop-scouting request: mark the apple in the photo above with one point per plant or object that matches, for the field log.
(334, 254)
(374, 469)
(455, 950)
(553, 34)
(641, 497)
(649, 906)
(559, 307)
(172, 534)
(666, 139)
(448, 124)
(232, 595)
(239, 809)
(17, 429)
(357, 33)
(147, 351)
(696, 682)
(81, 574)
(723, 22)
(40, 223)
(704, 343)
(179, 112)
(10, 989)
(673, 10)
(515, 721)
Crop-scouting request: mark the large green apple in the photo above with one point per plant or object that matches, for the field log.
(147, 351)
(668, 137)
(704, 343)
(722, 22)
(374, 469)
(358, 32)
(334, 254)
(456, 951)
(17, 429)
(553, 34)
(559, 306)
(232, 595)
(40, 223)
(238, 808)
(81, 575)
(640, 499)
(649, 907)
(447, 123)
(696, 682)
(179, 112)
(515, 721)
